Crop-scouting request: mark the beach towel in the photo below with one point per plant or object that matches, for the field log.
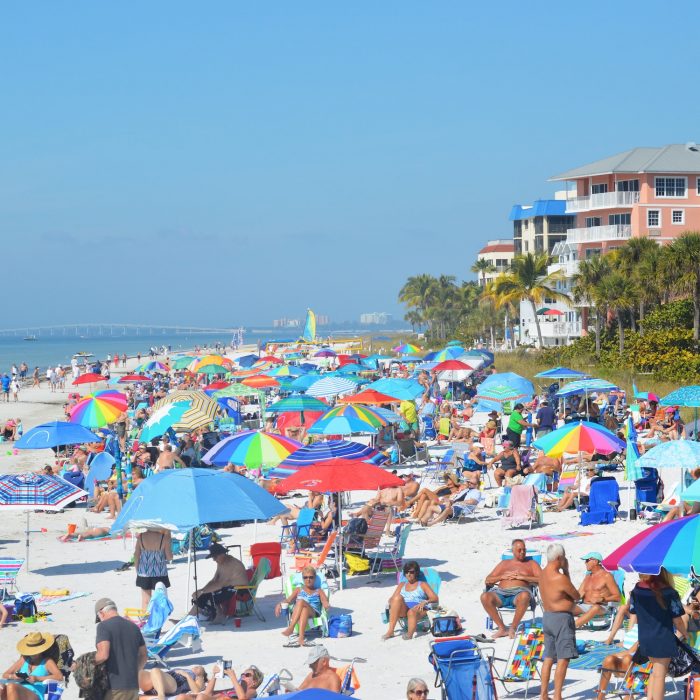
(554, 538)
(159, 609)
(520, 510)
(592, 655)
(43, 600)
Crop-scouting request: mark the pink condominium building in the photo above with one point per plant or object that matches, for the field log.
(652, 192)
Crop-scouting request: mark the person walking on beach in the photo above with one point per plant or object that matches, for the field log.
(5, 382)
(559, 597)
(120, 645)
(36, 381)
(152, 553)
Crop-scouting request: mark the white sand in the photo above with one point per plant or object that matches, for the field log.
(464, 554)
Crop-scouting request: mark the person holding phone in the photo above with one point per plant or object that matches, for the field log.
(26, 678)
(245, 687)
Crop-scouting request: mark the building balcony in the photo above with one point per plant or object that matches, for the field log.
(597, 234)
(568, 269)
(607, 200)
(551, 330)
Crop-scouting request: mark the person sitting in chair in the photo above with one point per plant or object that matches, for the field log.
(512, 581)
(230, 573)
(597, 590)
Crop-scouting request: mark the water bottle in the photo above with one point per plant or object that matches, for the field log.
(489, 623)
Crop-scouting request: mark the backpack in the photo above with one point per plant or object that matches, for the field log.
(354, 531)
(25, 605)
(447, 626)
(62, 654)
(91, 678)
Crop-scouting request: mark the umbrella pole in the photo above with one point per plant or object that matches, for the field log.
(26, 542)
(339, 540)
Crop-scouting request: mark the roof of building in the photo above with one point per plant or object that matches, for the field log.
(540, 207)
(498, 248)
(675, 158)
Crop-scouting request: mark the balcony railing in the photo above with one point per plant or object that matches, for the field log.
(554, 329)
(568, 269)
(607, 200)
(592, 234)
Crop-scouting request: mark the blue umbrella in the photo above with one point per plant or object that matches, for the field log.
(688, 396)
(561, 373)
(387, 415)
(674, 453)
(331, 386)
(304, 382)
(351, 368)
(54, 434)
(402, 389)
(510, 379)
(162, 419)
(183, 499)
(485, 354)
(247, 360)
(583, 386)
(317, 694)
(100, 470)
(323, 451)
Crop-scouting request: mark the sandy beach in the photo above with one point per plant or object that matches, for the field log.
(463, 554)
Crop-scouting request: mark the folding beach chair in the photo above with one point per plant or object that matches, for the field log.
(653, 511)
(304, 558)
(439, 466)
(535, 555)
(389, 556)
(603, 622)
(462, 670)
(409, 453)
(567, 480)
(246, 597)
(603, 502)
(294, 532)
(272, 683)
(521, 665)
(432, 578)
(319, 622)
(359, 543)
(523, 508)
(184, 635)
(9, 570)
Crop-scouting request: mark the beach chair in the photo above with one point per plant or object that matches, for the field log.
(9, 570)
(653, 511)
(389, 556)
(272, 683)
(359, 543)
(432, 578)
(534, 591)
(304, 558)
(246, 596)
(567, 480)
(523, 508)
(439, 466)
(466, 511)
(648, 488)
(272, 551)
(521, 665)
(314, 623)
(603, 622)
(183, 635)
(633, 683)
(293, 532)
(409, 453)
(603, 502)
(463, 670)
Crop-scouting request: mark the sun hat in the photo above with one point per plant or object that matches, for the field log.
(318, 651)
(34, 643)
(216, 549)
(592, 555)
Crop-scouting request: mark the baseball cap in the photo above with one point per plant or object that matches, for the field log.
(216, 549)
(592, 555)
(316, 652)
(101, 604)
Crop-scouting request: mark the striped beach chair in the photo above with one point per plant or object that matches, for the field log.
(521, 664)
(9, 570)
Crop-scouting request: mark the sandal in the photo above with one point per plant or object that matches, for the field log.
(291, 645)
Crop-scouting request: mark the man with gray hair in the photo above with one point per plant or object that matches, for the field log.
(121, 647)
(559, 597)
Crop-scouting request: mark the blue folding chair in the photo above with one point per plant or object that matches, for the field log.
(301, 528)
(603, 502)
(462, 670)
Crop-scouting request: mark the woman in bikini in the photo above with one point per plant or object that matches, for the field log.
(307, 601)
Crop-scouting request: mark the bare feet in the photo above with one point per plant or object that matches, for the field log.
(388, 635)
(500, 632)
(287, 632)
(511, 633)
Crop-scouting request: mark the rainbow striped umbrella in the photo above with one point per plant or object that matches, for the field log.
(675, 545)
(253, 448)
(98, 409)
(331, 386)
(579, 437)
(348, 419)
(406, 349)
(285, 371)
(153, 366)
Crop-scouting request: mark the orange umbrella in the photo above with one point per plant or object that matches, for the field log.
(260, 381)
(370, 396)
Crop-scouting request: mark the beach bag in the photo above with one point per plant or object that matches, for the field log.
(340, 626)
(685, 661)
(356, 564)
(446, 626)
(355, 531)
(25, 605)
(63, 655)
(91, 678)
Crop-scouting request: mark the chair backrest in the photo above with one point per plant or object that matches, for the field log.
(262, 570)
(9, 568)
(619, 576)
(539, 481)
(326, 548)
(188, 626)
(407, 447)
(448, 457)
(527, 652)
(375, 527)
(271, 551)
(429, 575)
(533, 554)
(522, 502)
(304, 519)
(604, 491)
(567, 479)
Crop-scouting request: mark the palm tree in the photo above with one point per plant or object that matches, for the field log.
(499, 301)
(483, 267)
(618, 292)
(529, 281)
(585, 290)
(639, 260)
(682, 262)
(416, 294)
(414, 318)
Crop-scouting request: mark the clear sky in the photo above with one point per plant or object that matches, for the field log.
(231, 162)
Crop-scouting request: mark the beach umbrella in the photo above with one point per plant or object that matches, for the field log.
(182, 362)
(316, 694)
(252, 449)
(686, 396)
(325, 352)
(351, 368)
(510, 379)
(581, 436)
(212, 369)
(98, 409)
(675, 545)
(323, 451)
(406, 349)
(388, 415)
(272, 359)
(493, 397)
(451, 365)
(331, 386)
(285, 371)
(202, 408)
(100, 470)
(218, 360)
(55, 433)
(298, 402)
(561, 373)
(448, 353)
(348, 419)
(216, 386)
(584, 386)
(305, 381)
(369, 396)
(487, 356)
(402, 389)
(89, 378)
(152, 366)
(246, 360)
(162, 419)
(29, 492)
(553, 312)
(260, 381)
(133, 378)
(674, 453)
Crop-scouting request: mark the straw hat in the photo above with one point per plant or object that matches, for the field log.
(451, 476)
(35, 643)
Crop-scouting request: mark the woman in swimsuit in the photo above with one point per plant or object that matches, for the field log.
(307, 601)
(409, 600)
(26, 678)
(180, 681)
(509, 459)
(244, 688)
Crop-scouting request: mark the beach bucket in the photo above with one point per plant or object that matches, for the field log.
(29, 620)
(72, 527)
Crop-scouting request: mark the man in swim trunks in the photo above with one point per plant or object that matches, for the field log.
(559, 598)
(597, 590)
(512, 582)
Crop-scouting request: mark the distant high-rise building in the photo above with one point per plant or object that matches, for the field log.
(375, 318)
(322, 320)
(286, 323)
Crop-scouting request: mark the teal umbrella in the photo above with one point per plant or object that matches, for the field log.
(162, 419)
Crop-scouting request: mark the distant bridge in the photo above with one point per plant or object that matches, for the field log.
(113, 329)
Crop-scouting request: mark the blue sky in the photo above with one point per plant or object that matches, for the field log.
(231, 162)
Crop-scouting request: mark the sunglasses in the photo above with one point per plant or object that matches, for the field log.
(247, 673)
(423, 693)
(308, 578)
(412, 571)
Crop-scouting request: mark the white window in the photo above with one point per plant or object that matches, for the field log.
(670, 186)
(619, 219)
(628, 185)
(678, 216)
(592, 221)
(599, 189)
(653, 218)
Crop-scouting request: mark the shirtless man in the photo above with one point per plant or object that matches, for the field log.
(168, 459)
(558, 601)
(513, 580)
(322, 674)
(393, 496)
(597, 590)
(547, 465)
(213, 597)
